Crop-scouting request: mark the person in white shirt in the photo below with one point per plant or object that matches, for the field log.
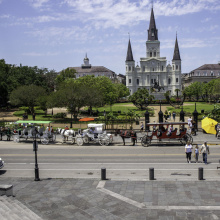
(205, 151)
(188, 151)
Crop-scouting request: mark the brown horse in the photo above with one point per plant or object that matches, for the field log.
(128, 134)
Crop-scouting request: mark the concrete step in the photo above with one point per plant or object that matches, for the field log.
(12, 209)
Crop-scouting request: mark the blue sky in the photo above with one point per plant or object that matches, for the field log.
(57, 34)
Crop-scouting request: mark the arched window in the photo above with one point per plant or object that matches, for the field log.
(176, 67)
(129, 68)
(150, 54)
(155, 53)
(177, 80)
(169, 81)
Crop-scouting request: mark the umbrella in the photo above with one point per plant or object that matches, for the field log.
(208, 125)
(86, 119)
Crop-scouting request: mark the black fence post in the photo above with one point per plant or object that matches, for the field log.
(195, 118)
(160, 114)
(182, 114)
(200, 173)
(103, 174)
(147, 120)
(151, 173)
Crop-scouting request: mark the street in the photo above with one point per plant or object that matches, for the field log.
(121, 162)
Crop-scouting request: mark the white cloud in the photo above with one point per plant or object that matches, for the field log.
(112, 13)
(61, 35)
(38, 3)
(35, 54)
(206, 20)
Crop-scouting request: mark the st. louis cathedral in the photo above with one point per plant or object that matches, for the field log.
(153, 70)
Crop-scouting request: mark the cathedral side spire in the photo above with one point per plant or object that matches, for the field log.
(152, 31)
(176, 53)
(129, 52)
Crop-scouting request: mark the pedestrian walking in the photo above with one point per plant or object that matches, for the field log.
(188, 151)
(169, 113)
(142, 127)
(174, 116)
(196, 153)
(205, 151)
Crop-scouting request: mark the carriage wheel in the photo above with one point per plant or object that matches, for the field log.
(186, 138)
(16, 138)
(45, 140)
(145, 141)
(86, 139)
(73, 140)
(79, 141)
(104, 140)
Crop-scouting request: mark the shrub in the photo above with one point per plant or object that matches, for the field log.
(60, 115)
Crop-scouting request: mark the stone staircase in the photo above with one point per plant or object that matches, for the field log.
(12, 209)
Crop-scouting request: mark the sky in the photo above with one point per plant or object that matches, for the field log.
(56, 34)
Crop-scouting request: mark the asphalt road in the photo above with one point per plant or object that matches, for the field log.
(121, 162)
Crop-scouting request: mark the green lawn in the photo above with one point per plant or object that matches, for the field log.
(189, 107)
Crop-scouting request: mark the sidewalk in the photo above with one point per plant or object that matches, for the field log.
(80, 199)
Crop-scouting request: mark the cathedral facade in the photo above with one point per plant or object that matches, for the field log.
(153, 69)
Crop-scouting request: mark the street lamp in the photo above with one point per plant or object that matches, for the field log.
(35, 148)
(71, 111)
(105, 118)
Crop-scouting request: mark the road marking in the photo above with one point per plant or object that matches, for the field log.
(95, 155)
(112, 163)
(101, 188)
(89, 169)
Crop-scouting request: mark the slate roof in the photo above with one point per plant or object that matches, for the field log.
(152, 28)
(129, 52)
(176, 53)
(92, 69)
(209, 67)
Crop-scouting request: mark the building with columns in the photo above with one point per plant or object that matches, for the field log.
(153, 68)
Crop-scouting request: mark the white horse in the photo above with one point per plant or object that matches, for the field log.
(65, 134)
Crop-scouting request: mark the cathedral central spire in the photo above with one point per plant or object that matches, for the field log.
(152, 31)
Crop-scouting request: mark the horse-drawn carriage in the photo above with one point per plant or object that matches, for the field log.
(30, 130)
(94, 133)
(166, 132)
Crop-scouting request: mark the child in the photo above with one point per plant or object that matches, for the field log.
(197, 153)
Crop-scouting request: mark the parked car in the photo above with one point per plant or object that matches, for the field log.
(1, 163)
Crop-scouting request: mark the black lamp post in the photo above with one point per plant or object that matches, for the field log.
(195, 118)
(105, 118)
(160, 114)
(71, 111)
(35, 148)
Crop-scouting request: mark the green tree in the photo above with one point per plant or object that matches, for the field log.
(122, 90)
(27, 96)
(66, 74)
(141, 98)
(71, 95)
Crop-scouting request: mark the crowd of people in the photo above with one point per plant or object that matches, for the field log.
(204, 150)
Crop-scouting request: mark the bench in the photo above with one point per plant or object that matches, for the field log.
(6, 190)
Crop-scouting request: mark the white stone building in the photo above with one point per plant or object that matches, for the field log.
(154, 68)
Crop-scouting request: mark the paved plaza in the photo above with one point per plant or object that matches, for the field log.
(80, 199)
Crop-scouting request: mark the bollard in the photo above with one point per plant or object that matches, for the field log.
(200, 173)
(103, 173)
(151, 173)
